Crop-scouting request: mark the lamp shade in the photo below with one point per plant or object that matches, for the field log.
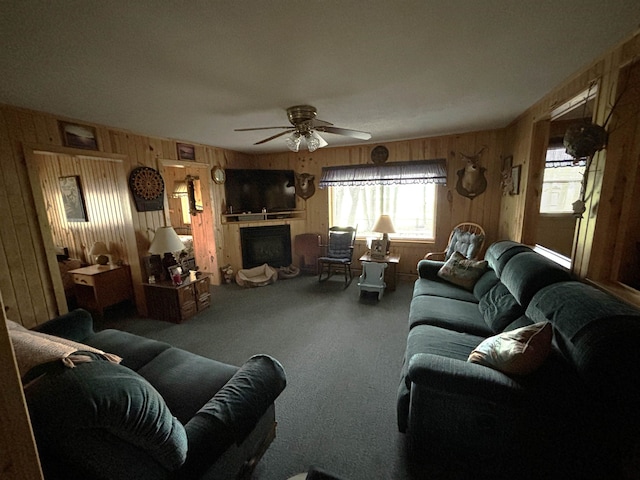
(166, 240)
(99, 248)
(384, 225)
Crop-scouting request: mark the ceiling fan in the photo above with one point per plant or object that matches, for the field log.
(306, 125)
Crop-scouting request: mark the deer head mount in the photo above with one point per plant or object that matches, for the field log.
(471, 179)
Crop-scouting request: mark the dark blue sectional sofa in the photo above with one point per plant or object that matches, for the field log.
(162, 413)
(577, 416)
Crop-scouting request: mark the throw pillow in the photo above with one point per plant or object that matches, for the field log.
(462, 272)
(518, 352)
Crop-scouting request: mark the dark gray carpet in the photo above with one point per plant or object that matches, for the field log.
(342, 354)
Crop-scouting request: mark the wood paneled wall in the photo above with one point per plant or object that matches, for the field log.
(28, 287)
(452, 208)
(100, 189)
(611, 192)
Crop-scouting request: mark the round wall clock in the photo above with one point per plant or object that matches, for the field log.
(379, 154)
(218, 175)
(147, 187)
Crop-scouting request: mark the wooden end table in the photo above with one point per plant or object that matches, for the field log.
(177, 303)
(100, 286)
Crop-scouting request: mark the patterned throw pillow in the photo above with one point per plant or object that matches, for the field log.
(517, 352)
(462, 272)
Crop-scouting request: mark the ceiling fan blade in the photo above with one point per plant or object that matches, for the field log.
(345, 131)
(318, 121)
(274, 136)
(257, 128)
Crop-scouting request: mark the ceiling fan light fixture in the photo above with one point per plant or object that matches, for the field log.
(293, 142)
(323, 142)
(312, 142)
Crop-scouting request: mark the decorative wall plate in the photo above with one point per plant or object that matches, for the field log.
(147, 187)
(218, 175)
(379, 154)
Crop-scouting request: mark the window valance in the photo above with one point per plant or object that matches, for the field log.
(558, 157)
(394, 173)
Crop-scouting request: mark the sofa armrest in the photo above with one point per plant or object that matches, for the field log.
(233, 412)
(76, 325)
(464, 410)
(429, 269)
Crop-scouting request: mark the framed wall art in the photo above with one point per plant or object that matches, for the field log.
(186, 152)
(515, 179)
(78, 136)
(72, 199)
(378, 248)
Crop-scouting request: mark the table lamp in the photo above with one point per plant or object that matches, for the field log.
(100, 252)
(166, 242)
(384, 225)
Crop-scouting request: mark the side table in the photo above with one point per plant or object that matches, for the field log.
(177, 303)
(100, 286)
(391, 273)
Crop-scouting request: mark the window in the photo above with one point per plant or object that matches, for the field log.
(412, 208)
(561, 183)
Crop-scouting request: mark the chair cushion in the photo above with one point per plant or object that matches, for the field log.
(340, 245)
(467, 243)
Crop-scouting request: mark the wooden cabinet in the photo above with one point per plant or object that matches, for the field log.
(172, 303)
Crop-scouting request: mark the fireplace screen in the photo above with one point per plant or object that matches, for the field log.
(270, 245)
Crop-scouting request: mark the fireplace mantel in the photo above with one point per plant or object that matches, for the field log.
(274, 217)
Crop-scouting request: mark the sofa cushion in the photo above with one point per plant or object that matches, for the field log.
(528, 272)
(66, 403)
(448, 313)
(499, 253)
(176, 371)
(485, 283)
(441, 288)
(461, 271)
(499, 308)
(597, 333)
(136, 351)
(518, 352)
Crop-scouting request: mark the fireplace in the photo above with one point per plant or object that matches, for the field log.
(269, 244)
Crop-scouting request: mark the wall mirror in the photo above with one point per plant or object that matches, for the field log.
(194, 194)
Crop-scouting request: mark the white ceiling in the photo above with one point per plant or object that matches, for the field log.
(194, 71)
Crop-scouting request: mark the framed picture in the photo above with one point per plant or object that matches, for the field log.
(175, 272)
(72, 199)
(378, 248)
(507, 163)
(78, 136)
(186, 152)
(515, 178)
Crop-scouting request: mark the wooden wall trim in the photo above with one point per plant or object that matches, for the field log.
(18, 452)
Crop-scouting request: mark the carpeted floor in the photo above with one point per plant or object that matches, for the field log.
(342, 354)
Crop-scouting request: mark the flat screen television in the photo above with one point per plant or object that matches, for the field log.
(252, 190)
